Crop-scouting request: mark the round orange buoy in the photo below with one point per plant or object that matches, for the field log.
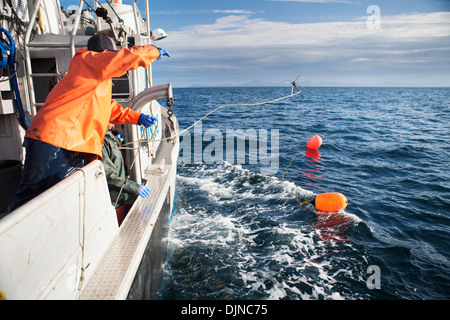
(314, 142)
(330, 202)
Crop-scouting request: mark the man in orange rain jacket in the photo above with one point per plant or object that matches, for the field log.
(71, 125)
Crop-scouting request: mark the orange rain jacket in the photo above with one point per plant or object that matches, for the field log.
(78, 109)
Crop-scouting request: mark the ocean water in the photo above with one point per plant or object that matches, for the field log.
(238, 231)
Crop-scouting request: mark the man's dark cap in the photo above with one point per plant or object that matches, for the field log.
(100, 42)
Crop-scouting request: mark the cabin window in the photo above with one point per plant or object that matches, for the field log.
(121, 87)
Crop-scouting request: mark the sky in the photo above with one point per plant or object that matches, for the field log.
(329, 42)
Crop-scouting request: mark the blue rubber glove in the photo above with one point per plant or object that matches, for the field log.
(146, 120)
(163, 53)
(143, 191)
(120, 137)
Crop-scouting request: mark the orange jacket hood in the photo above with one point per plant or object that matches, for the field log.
(78, 109)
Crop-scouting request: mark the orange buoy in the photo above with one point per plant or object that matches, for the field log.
(314, 142)
(330, 202)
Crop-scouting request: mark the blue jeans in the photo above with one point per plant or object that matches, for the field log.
(45, 165)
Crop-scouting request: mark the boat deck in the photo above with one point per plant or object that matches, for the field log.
(116, 272)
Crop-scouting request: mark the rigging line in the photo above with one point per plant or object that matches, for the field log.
(109, 3)
(85, 2)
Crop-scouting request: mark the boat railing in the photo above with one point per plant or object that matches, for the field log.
(146, 97)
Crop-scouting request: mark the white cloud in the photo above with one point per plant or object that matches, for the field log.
(243, 32)
(247, 45)
(233, 11)
(187, 12)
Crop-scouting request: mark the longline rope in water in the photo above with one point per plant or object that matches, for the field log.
(143, 143)
(205, 116)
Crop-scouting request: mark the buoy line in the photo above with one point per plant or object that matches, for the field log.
(202, 118)
(144, 142)
(329, 201)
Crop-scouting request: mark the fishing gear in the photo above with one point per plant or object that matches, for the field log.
(295, 85)
(9, 60)
(329, 201)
